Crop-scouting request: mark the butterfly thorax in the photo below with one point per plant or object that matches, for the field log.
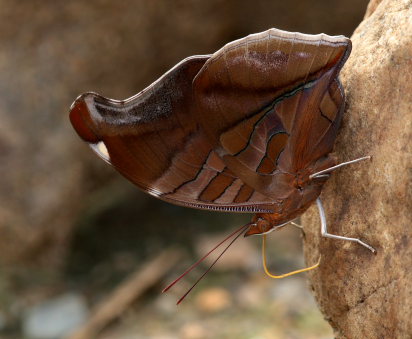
(304, 193)
(289, 209)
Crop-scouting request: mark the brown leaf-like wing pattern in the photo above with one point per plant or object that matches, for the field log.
(215, 131)
(154, 141)
(263, 95)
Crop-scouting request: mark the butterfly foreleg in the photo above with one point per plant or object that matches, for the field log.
(296, 225)
(321, 174)
(324, 229)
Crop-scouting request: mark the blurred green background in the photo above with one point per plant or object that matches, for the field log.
(72, 229)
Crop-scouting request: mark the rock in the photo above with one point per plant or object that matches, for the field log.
(55, 318)
(373, 4)
(361, 294)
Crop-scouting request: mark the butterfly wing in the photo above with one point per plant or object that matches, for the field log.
(154, 141)
(212, 132)
(273, 103)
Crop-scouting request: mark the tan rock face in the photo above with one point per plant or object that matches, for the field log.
(361, 294)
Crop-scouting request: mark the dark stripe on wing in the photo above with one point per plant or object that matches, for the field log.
(328, 107)
(268, 109)
(216, 187)
(244, 194)
(324, 116)
(187, 181)
(236, 139)
(275, 146)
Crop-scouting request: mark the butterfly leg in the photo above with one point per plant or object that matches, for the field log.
(321, 173)
(296, 225)
(324, 229)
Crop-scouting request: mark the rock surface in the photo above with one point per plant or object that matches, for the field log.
(364, 295)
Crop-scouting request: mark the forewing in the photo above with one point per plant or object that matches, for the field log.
(259, 100)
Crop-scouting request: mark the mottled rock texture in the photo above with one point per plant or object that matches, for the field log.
(364, 295)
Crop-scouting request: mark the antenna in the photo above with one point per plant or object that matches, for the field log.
(210, 267)
(239, 230)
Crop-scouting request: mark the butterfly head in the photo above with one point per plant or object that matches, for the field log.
(263, 224)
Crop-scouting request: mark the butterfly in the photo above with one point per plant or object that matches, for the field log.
(248, 129)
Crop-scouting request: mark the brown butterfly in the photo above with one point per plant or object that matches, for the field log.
(249, 128)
